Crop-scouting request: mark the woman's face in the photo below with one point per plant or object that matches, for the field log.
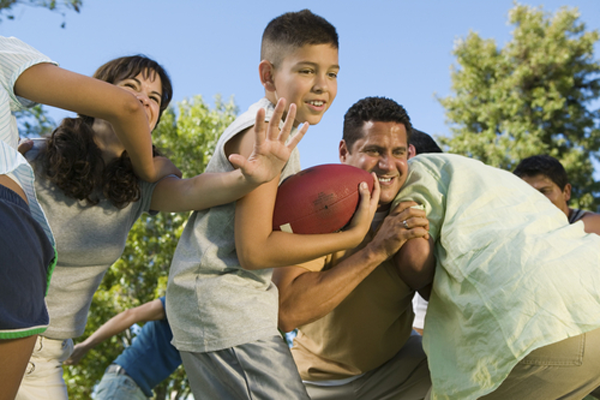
(148, 91)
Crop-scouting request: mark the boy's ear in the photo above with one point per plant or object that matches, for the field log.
(266, 72)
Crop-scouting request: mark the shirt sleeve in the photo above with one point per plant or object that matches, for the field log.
(15, 57)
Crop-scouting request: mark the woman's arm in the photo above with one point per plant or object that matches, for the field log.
(54, 86)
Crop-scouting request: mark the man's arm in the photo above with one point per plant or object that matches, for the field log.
(591, 223)
(305, 296)
(416, 264)
(257, 245)
(150, 311)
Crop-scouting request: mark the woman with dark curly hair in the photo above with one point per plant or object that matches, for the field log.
(88, 189)
(27, 246)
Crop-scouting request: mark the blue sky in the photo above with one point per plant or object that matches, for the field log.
(395, 48)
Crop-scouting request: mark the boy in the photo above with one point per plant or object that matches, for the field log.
(221, 304)
(548, 176)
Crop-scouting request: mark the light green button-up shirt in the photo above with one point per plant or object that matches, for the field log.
(512, 275)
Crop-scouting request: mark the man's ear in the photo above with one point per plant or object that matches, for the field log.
(266, 72)
(412, 151)
(343, 151)
(567, 192)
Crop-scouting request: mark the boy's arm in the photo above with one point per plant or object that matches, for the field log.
(257, 245)
(305, 296)
(54, 86)
(269, 155)
(150, 311)
(416, 264)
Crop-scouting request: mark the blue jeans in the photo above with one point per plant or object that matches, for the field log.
(118, 387)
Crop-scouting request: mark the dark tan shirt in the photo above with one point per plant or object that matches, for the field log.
(367, 329)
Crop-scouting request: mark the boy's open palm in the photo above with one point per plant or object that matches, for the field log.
(270, 152)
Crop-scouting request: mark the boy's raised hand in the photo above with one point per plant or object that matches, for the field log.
(270, 152)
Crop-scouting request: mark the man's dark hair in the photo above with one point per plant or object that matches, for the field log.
(293, 30)
(544, 165)
(423, 142)
(377, 109)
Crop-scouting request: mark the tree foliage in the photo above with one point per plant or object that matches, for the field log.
(7, 6)
(34, 122)
(533, 96)
(141, 273)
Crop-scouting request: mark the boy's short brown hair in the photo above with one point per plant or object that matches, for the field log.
(293, 30)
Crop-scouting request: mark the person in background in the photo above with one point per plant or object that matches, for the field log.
(548, 176)
(149, 360)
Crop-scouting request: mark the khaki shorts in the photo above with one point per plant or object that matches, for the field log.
(569, 369)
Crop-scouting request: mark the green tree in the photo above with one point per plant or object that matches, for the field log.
(6, 6)
(34, 122)
(533, 96)
(141, 273)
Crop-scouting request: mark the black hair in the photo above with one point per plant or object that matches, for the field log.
(543, 165)
(377, 109)
(293, 30)
(423, 142)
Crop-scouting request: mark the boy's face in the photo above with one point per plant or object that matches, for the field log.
(383, 149)
(307, 77)
(547, 187)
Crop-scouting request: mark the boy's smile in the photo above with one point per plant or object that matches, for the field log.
(307, 77)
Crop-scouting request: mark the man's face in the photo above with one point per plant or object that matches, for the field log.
(383, 149)
(548, 188)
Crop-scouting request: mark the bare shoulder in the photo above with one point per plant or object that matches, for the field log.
(242, 143)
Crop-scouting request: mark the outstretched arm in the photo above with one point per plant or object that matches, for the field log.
(268, 157)
(54, 86)
(257, 245)
(305, 296)
(150, 311)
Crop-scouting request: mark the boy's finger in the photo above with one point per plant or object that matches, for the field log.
(298, 136)
(288, 123)
(259, 126)
(273, 130)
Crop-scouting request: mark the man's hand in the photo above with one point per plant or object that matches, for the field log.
(270, 152)
(403, 223)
